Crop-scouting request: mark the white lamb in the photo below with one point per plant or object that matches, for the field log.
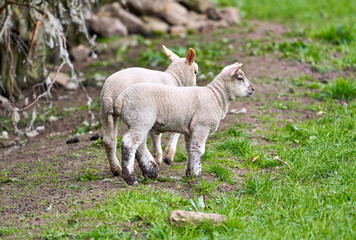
(181, 72)
(193, 111)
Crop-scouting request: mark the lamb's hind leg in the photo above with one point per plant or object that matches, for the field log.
(130, 143)
(110, 123)
(156, 146)
(146, 161)
(171, 148)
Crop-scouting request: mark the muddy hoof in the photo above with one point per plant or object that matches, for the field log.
(190, 174)
(167, 160)
(116, 171)
(151, 174)
(130, 179)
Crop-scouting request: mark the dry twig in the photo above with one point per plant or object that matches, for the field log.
(279, 160)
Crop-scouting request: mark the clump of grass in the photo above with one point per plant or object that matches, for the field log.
(88, 176)
(336, 34)
(238, 146)
(222, 173)
(342, 89)
(257, 184)
(180, 156)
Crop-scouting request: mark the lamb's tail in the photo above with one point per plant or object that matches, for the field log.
(118, 105)
(107, 117)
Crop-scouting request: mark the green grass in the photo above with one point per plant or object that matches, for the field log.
(342, 89)
(314, 199)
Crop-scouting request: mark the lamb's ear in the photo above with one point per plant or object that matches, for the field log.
(232, 69)
(190, 56)
(170, 54)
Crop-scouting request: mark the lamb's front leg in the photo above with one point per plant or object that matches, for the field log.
(146, 161)
(171, 148)
(156, 146)
(130, 142)
(195, 145)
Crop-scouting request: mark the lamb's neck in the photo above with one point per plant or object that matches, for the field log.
(219, 91)
(177, 73)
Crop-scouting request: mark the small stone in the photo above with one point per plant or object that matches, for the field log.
(62, 78)
(52, 119)
(178, 31)
(94, 137)
(230, 15)
(72, 85)
(5, 135)
(242, 111)
(32, 134)
(40, 128)
(80, 53)
(72, 140)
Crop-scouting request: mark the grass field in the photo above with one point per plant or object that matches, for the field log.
(314, 199)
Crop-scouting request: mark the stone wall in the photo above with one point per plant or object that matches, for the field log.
(148, 17)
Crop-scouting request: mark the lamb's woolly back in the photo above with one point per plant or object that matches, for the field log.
(181, 72)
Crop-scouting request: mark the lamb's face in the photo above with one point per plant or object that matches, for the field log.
(188, 72)
(185, 68)
(236, 82)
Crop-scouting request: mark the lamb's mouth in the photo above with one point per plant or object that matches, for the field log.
(249, 94)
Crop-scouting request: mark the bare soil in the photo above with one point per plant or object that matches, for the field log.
(44, 175)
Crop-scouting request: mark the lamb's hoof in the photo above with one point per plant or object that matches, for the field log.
(155, 165)
(116, 171)
(130, 179)
(158, 158)
(151, 174)
(167, 160)
(190, 174)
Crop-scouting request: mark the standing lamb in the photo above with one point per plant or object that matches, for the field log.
(181, 72)
(193, 111)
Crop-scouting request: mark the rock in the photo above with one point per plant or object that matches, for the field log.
(154, 25)
(32, 134)
(178, 30)
(230, 15)
(72, 85)
(213, 14)
(94, 137)
(107, 26)
(72, 140)
(145, 7)
(40, 128)
(80, 53)
(62, 78)
(115, 10)
(199, 6)
(52, 119)
(181, 216)
(210, 26)
(242, 111)
(5, 135)
(175, 14)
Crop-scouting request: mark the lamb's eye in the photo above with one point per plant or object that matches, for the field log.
(240, 78)
(195, 72)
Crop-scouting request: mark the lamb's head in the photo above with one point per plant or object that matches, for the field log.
(236, 82)
(183, 69)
